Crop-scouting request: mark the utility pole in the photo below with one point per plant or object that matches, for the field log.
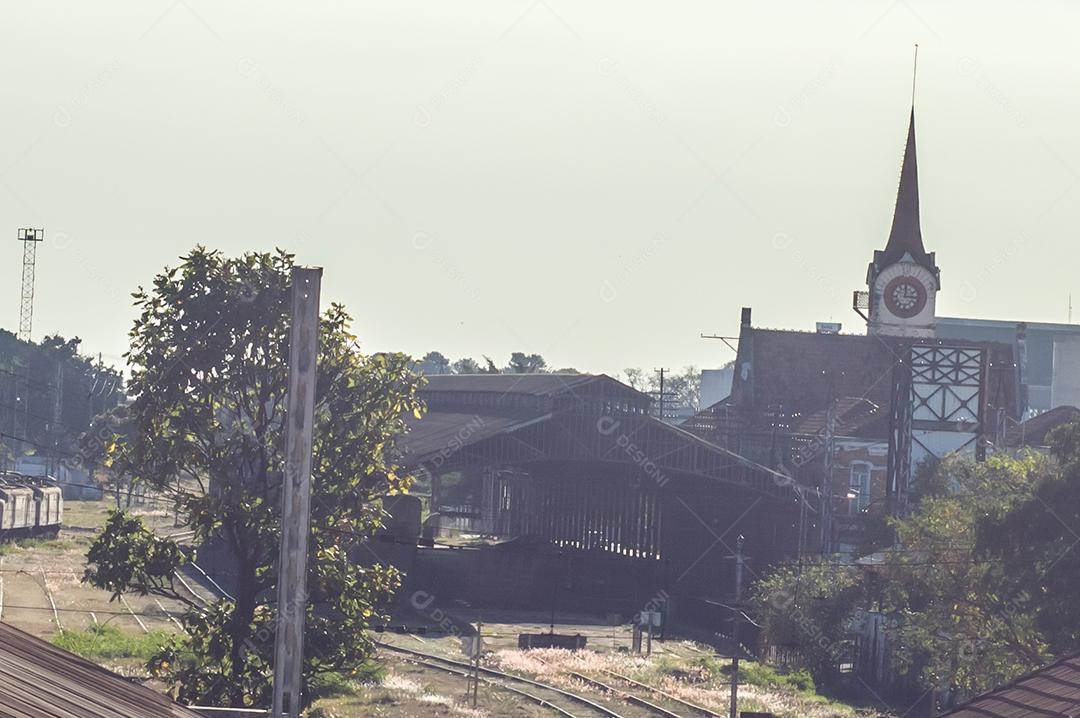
(661, 399)
(477, 648)
(737, 618)
(296, 493)
(827, 508)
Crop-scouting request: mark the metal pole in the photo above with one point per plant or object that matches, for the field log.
(827, 508)
(296, 493)
(476, 658)
(737, 618)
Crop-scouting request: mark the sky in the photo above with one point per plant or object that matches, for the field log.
(599, 182)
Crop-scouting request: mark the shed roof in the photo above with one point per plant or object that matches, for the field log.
(445, 432)
(1050, 691)
(39, 680)
(1033, 432)
(533, 384)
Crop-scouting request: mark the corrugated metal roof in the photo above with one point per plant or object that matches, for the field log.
(39, 680)
(533, 384)
(1033, 431)
(440, 432)
(1050, 691)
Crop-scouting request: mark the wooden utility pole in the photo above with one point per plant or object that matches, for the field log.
(296, 493)
(737, 618)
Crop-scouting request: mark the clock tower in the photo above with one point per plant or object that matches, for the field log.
(904, 278)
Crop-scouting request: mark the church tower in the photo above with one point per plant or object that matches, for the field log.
(904, 278)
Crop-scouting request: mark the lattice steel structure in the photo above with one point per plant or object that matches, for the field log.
(939, 406)
(30, 239)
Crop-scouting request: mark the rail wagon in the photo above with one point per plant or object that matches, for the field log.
(29, 506)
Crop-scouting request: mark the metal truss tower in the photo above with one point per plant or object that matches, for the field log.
(30, 239)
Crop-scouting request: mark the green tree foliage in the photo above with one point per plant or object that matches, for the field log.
(1038, 547)
(522, 363)
(956, 615)
(38, 378)
(810, 609)
(209, 367)
(103, 449)
(434, 363)
(960, 621)
(465, 365)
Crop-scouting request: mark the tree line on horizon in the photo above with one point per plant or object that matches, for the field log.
(681, 388)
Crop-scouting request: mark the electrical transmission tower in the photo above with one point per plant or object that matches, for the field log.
(30, 239)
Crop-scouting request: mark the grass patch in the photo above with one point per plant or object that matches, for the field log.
(330, 685)
(109, 642)
(763, 676)
(10, 547)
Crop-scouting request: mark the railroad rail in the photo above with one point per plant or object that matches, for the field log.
(628, 697)
(638, 700)
(665, 694)
(501, 679)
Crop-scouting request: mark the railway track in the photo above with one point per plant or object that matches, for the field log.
(584, 706)
(624, 695)
(684, 703)
(638, 700)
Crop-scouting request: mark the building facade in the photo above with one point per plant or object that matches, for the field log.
(852, 417)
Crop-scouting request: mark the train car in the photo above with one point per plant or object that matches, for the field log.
(29, 506)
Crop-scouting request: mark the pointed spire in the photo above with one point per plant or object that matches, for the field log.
(905, 237)
(906, 234)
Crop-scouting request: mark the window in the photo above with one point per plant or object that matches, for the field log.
(859, 484)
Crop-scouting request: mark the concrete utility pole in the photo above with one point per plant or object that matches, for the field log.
(296, 493)
(737, 613)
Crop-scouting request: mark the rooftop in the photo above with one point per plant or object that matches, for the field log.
(1050, 691)
(38, 680)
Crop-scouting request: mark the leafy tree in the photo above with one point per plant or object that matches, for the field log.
(434, 363)
(681, 389)
(809, 608)
(522, 363)
(104, 446)
(1037, 545)
(209, 368)
(636, 379)
(465, 365)
(41, 377)
(958, 616)
(961, 625)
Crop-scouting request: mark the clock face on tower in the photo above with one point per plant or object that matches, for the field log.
(905, 296)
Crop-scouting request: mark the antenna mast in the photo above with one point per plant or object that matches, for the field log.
(30, 239)
(914, 74)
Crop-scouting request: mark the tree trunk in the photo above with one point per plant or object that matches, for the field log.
(240, 627)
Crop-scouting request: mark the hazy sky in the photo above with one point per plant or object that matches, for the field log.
(599, 182)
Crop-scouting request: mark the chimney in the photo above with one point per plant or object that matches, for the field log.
(746, 316)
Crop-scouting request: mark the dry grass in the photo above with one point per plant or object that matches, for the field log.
(683, 678)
